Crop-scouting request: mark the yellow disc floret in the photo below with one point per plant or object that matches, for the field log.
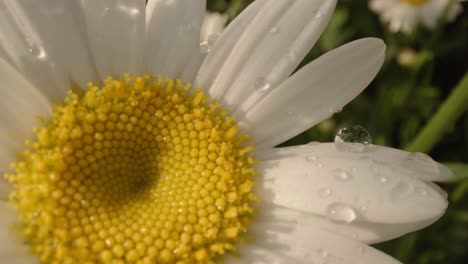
(139, 170)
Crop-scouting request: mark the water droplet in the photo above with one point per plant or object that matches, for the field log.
(318, 14)
(381, 178)
(322, 253)
(324, 192)
(340, 212)
(37, 52)
(262, 85)
(205, 46)
(274, 30)
(401, 191)
(318, 164)
(310, 158)
(361, 249)
(313, 143)
(421, 191)
(292, 56)
(353, 139)
(342, 175)
(363, 208)
(418, 156)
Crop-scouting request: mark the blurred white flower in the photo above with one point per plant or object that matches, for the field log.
(405, 15)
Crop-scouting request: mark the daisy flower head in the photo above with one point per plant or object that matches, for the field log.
(130, 163)
(405, 15)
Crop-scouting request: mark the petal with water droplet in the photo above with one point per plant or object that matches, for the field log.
(306, 97)
(282, 239)
(255, 52)
(37, 37)
(116, 34)
(291, 180)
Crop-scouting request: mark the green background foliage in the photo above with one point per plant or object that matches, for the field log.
(398, 105)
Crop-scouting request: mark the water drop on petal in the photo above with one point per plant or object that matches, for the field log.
(340, 212)
(274, 30)
(324, 192)
(342, 175)
(318, 14)
(262, 85)
(401, 191)
(310, 158)
(353, 139)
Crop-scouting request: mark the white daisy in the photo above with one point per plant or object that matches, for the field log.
(405, 15)
(144, 169)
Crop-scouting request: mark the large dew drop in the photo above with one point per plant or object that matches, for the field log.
(353, 139)
(340, 212)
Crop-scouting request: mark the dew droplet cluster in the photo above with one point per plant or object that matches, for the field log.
(137, 170)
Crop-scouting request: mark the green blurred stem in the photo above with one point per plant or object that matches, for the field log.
(445, 118)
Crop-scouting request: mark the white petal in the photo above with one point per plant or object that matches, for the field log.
(12, 248)
(173, 28)
(5, 187)
(192, 66)
(364, 231)
(116, 33)
(315, 92)
(270, 48)
(47, 43)
(375, 189)
(286, 241)
(20, 105)
(213, 63)
(213, 24)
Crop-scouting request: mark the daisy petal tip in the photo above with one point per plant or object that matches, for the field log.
(445, 173)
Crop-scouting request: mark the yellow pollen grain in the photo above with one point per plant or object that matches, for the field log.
(136, 170)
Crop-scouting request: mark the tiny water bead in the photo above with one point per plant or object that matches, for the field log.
(139, 170)
(262, 85)
(342, 175)
(353, 139)
(340, 212)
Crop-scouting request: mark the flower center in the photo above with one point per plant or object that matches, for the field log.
(414, 2)
(139, 169)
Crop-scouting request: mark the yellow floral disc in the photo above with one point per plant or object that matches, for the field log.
(139, 170)
(414, 2)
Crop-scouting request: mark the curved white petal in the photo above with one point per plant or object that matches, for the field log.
(116, 33)
(361, 230)
(173, 33)
(223, 46)
(279, 37)
(12, 249)
(46, 42)
(315, 92)
(20, 106)
(213, 23)
(5, 187)
(375, 185)
(287, 241)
